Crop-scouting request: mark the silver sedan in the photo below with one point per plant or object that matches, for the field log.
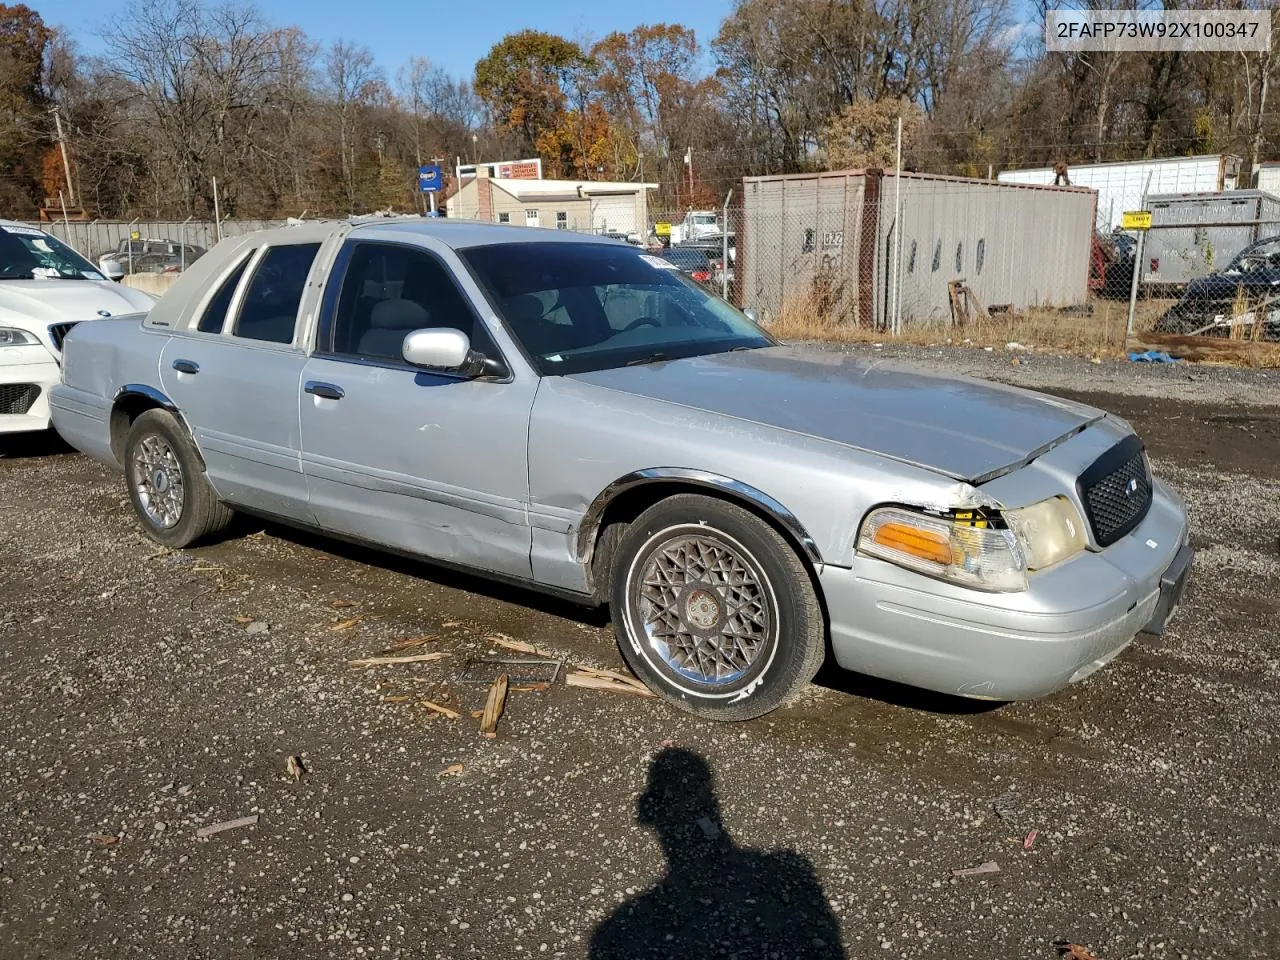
(572, 414)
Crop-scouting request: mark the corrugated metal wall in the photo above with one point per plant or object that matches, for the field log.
(801, 239)
(1019, 245)
(829, 241)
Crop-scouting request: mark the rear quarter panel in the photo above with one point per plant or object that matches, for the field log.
(98, 360)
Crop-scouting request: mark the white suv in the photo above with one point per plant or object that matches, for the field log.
(46, 288)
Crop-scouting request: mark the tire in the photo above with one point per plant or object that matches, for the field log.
(167, 485)
(674, 633)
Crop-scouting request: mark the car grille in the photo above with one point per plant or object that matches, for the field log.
(17, 397)
(58, 332)
(1116, 491)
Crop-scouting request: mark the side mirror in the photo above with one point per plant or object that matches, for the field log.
(444, 348)
(440, 348)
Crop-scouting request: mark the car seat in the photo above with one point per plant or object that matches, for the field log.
(389, 322)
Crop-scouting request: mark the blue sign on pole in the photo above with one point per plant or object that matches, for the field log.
(430, 179)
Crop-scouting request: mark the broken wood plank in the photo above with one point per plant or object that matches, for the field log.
(607, 680)
(437, 708)
(493, 707)
(406, 643)
(383, 661)
(519, 646)
(213, 828)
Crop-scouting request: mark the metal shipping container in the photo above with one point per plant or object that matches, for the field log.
(1193, 234)
(828, 243)
(1120, 186)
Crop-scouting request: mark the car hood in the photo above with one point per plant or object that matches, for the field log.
(1217, 286)
(35, 304)
(964, 428)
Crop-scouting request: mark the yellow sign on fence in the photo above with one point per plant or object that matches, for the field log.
(662, 229)
(1135, 220)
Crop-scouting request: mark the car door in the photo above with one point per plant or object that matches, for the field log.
(423, 461)
(236, 380)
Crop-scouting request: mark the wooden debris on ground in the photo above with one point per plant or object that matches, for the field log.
(104, 839)
(350, 622)
(493, 707)
(293, 766)
(989, 867)
(519, 646)
(1074, 951)
(540, 687)
(437, 708)
(384, 661)
(406, 643)
(452, 770)
(339, 604)
(607, 680)
(235, 824)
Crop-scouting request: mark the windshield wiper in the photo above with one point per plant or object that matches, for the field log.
(651, 358)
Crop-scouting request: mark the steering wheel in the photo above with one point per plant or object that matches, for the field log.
(641, 322)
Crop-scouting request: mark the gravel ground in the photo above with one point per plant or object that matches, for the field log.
(136, 706)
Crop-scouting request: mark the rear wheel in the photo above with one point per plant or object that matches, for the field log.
(713, 609)
(167, 485)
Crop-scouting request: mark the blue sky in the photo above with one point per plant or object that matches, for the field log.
(451, 35)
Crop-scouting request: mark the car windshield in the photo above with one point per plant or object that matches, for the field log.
(29, 254)
(576, 307)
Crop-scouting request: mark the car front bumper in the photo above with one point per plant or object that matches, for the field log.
(1074, 619)
(29, 366)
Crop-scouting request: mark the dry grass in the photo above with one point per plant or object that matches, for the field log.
(1099, 334)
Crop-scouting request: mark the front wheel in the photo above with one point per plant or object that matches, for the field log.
(714, 610)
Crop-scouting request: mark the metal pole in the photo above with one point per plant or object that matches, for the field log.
(1137, 264)
(896, 313)
(431, 194)
(724, 236)
(66, 165)
(217, 217)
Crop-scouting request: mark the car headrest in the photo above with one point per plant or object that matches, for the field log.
(524, 308)
(398, 315)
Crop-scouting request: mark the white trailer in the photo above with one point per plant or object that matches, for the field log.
(1120, 186)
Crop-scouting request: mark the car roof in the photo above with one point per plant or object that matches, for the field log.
(457, 234)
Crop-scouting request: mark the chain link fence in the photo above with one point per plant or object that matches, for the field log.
(148, 246)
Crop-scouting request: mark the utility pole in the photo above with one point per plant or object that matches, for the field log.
(688, 162)
(66, 165)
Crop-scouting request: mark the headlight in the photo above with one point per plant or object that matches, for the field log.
(961, 548)
(967, 548)
(12, 336)
(1048, 531)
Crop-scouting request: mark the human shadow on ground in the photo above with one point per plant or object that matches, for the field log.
(717, 900)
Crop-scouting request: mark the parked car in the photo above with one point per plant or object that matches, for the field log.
(691, 261)
(148, 256)
(46, 288)
(1208, 305)
(574, 415)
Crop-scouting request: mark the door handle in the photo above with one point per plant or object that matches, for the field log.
(327, 390)
(186, 366)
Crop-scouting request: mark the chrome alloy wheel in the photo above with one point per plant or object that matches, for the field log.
(156, 476)
(705, 606)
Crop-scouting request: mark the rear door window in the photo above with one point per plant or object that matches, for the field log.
(215, 314)
(269, 309)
